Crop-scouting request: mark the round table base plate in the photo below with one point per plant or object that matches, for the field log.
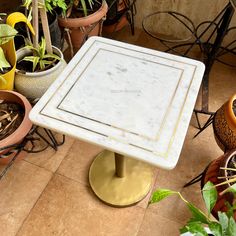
(118, 191)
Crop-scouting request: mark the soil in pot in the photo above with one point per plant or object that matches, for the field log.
(79, 11)
(5, 70)
(11, 116)
(27, 66)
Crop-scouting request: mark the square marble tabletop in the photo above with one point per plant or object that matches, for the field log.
(131, 100)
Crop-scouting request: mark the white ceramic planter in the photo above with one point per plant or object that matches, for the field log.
(34, 84)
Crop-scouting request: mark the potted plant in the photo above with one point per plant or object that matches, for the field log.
(36, 69)
(6, 58)
(7, 51)
(224, 125)
(14, 122)
(38, 64)
(53, 9)
(83, 19)
(222, 173)
(200, 223)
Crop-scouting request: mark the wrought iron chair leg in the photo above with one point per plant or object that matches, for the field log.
(194, 180)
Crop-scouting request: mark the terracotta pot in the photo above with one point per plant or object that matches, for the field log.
(212, 173)
(34, 84)
(25, 126)
(224, 125)
(83, 27)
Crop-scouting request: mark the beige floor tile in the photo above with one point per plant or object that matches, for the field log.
(173, 208)
(69, 208)
(76, 164)
(20, 188)
(155, 225)
(195, 156)
(51, 159)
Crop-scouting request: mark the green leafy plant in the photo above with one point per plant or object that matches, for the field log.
(49, 4)
(6, 34)
(83, 4)
(64, 5)
(41, 60)
(225, 226)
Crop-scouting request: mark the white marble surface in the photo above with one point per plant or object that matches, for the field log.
(128, 99)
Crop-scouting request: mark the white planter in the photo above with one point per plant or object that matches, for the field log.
(34, 84)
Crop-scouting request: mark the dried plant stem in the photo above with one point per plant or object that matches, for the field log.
(226, 182)
(225, 168)
(229, 177)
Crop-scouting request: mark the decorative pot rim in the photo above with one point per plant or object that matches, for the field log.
(86, 20)
(24, 51)
(231, 115)
(25, 125)
(230, 154)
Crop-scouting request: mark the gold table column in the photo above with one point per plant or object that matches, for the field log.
(118, 180)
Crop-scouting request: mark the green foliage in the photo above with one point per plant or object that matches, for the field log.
(226, 226)
(6, 33)
(3, 61)
(49, 4)
(161, 194)
(52, 4)
(63, 5)
(40, 59)
(209, 196)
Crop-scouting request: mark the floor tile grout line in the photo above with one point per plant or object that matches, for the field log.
(54, 171)
(34, 205)
(145, 210)
(66, 154)
(77, 181)
(42, 167)
(153, 184)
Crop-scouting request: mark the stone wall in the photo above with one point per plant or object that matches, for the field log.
(196, 10)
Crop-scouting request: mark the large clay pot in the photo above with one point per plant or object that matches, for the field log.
(83, 27)
(224, 125)
(25, 126)
(212, 173)
(34, 84)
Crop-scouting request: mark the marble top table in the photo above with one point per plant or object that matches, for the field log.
(128, 99)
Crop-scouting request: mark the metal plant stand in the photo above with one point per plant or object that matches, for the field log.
(35, 135)
(209, 42)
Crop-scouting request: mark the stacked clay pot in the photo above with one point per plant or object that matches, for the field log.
(212, 173)
(224, 125)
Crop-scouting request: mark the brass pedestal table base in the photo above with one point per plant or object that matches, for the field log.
(120, 181)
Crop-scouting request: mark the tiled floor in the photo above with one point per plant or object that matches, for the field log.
(48, 193)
